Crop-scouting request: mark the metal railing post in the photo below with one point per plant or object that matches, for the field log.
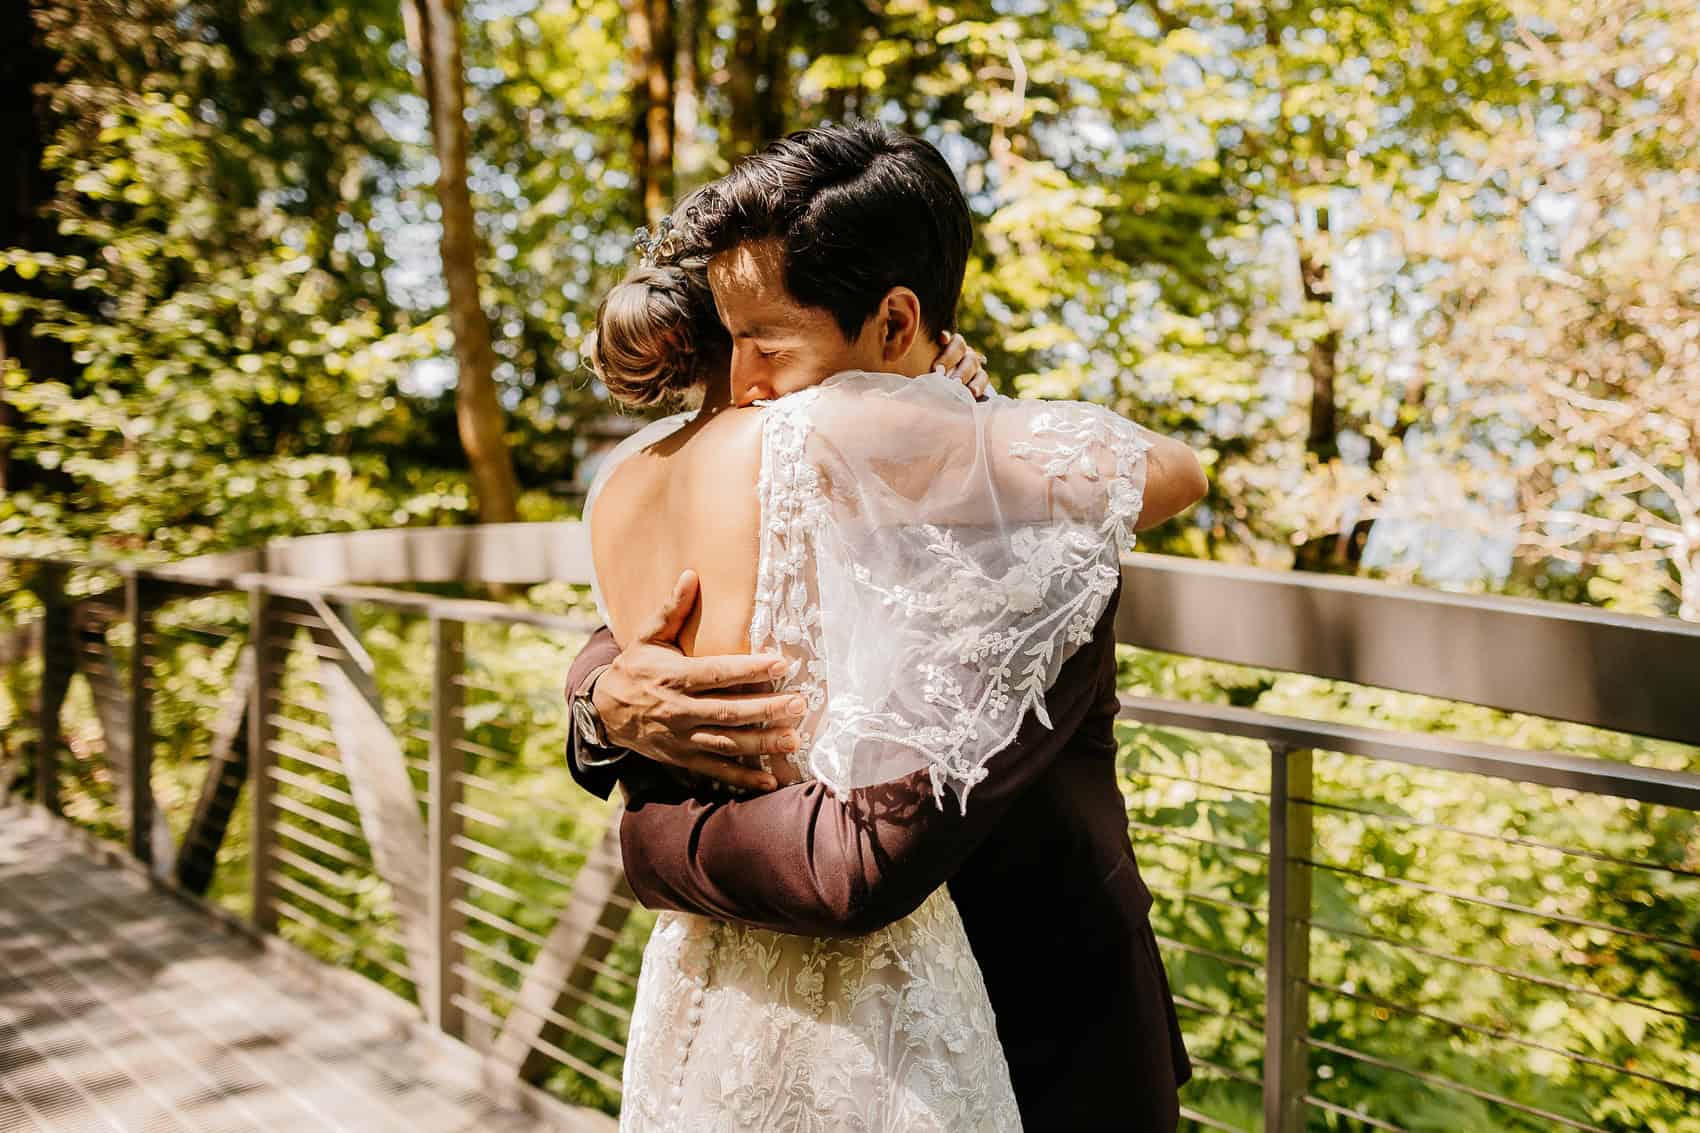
(57, 665)
(140, 755)
(1286, 1074)
(261, 799)
(448, 763)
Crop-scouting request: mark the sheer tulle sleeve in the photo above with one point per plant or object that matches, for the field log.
(930, 562)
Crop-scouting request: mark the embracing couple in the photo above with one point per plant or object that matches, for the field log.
(858, 681)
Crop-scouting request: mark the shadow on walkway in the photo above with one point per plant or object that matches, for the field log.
(122, 1009)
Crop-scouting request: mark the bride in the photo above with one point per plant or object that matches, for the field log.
(926, 562)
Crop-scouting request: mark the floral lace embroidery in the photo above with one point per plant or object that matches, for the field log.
(1075, 440)
(888, 1033)
(787, 618)
(740, 1030)
(957, 597)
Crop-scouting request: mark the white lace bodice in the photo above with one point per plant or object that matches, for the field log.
(928, 565)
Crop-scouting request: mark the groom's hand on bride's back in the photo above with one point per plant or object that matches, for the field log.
(687, 712)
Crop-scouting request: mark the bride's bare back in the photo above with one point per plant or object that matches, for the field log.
(687, 501)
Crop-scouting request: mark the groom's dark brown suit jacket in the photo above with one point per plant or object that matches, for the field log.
(1040, 867)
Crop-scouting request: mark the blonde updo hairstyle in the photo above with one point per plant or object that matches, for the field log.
(658, 337)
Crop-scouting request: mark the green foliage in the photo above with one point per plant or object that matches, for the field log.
(232, 359)
(1522, 942)
(228, 327)
(1202, 213)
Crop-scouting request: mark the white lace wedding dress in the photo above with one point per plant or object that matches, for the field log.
(928, 563)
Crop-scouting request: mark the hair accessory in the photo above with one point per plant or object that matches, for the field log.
(663, 245)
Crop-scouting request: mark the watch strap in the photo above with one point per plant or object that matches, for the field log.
(590, 750)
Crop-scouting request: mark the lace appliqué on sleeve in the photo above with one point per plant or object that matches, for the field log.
(787, 615)
(937, 638)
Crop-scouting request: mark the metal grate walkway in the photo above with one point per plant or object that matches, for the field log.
(122, 1010)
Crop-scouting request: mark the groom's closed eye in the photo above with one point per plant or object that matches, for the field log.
(767, 345)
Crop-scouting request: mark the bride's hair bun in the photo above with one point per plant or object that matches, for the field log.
(657, 335)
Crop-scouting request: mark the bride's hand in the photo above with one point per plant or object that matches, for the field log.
(961, 364)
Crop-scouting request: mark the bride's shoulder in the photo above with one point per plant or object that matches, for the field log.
(864, 400)
(871, 415)
(640, 439)
(615, 474)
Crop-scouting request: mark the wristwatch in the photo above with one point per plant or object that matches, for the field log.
(589, 738)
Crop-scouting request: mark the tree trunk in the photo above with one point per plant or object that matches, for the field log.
(837, 104)
(1342, 551)
(776, 76)
(650, 56)
(434, 25)
(640, 47)
(687, 91)
(20, 157)
(744, 128)
(1322, 439)
(1323, 436)
(26, 189)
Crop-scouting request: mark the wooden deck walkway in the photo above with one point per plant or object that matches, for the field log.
(122, 1009)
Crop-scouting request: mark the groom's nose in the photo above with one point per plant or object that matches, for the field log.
(748, 387)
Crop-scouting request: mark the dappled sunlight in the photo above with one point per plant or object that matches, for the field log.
(298, 416)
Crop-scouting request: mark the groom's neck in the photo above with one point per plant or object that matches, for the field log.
(914, 361)
(917, 360)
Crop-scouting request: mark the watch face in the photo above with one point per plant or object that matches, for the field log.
(586, 722)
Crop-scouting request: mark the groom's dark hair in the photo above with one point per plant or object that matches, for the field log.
(859, 209)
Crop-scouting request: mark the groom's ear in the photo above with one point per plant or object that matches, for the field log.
(899, 318)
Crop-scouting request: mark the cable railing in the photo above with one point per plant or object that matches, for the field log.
(1376, 959)
(1365, 926)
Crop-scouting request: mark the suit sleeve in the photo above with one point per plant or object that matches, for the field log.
(799, 860)
(600, 650)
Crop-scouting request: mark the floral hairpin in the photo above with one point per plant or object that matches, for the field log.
(663, 245)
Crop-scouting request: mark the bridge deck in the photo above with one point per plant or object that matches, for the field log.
(121, 1009)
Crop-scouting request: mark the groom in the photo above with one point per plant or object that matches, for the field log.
(822, 245)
